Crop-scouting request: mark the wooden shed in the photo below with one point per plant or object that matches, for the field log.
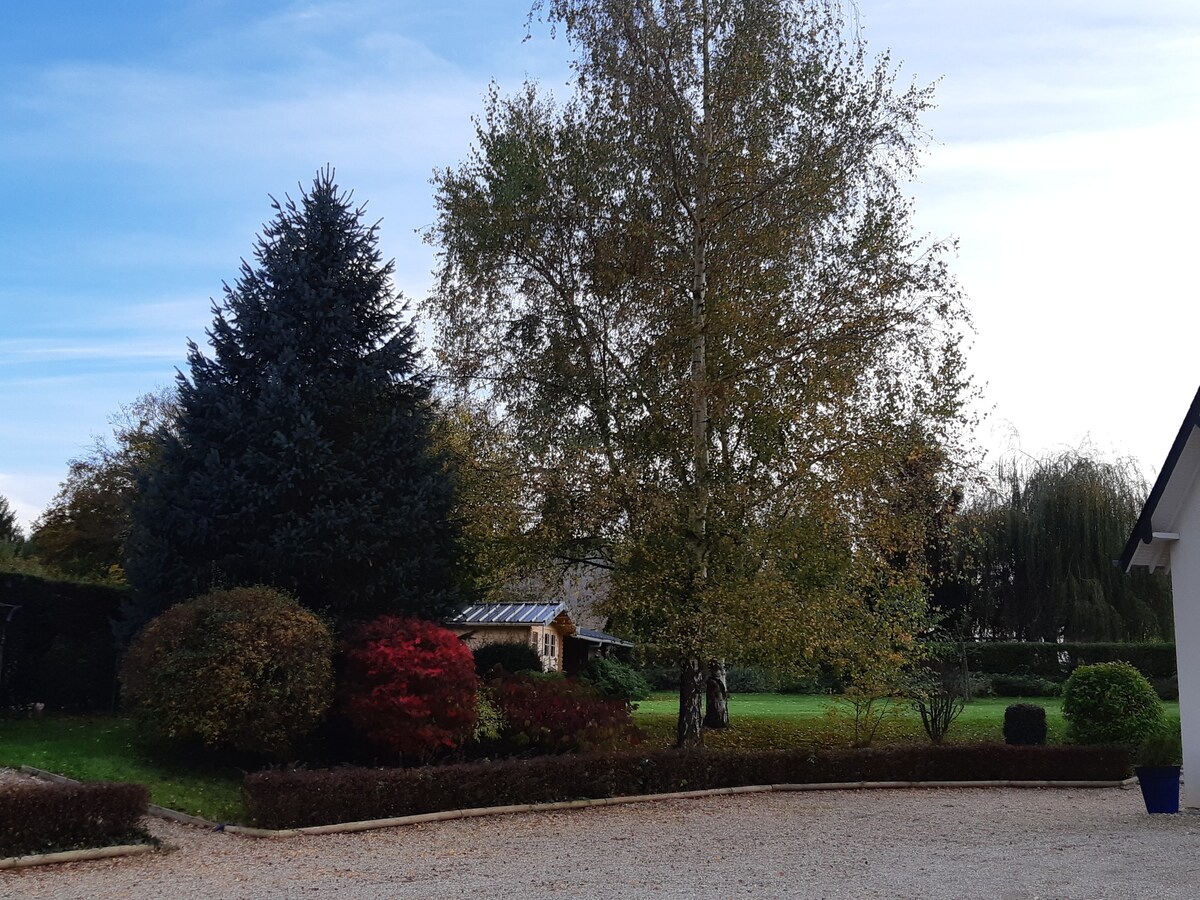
(546, 627)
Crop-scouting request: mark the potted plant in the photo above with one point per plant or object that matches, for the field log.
(1157, 767)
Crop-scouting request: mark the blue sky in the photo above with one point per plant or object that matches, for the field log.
(139, 142)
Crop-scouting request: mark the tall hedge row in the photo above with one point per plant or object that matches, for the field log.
(58, 646)
(1057, 661)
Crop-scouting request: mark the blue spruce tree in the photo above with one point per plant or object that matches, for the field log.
(301, 456)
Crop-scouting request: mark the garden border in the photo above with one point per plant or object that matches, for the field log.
(453, 814)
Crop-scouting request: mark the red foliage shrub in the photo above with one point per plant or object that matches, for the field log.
(554, 715)
(408, 687)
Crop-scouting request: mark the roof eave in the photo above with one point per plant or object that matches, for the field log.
(1143, 531)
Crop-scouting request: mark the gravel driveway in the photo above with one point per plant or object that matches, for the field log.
(993, 843)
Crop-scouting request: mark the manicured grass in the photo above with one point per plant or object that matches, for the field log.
(766, 721)
(108, 749)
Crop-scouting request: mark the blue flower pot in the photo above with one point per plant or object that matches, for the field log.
(1160, 788)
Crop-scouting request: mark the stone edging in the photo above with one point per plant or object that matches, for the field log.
(452, 814)
(45, 859)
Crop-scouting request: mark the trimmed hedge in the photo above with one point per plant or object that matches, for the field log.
(1057, 661)
(59, 647)
(38, 817)
(300, 798)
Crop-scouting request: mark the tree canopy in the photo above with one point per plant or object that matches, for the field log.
(83, 531)
(10, 531)
(693, 295)
(1034, 555)
(301, 456)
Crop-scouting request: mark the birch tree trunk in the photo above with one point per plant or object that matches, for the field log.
(691, 684)
(691, 694)
(716, 708)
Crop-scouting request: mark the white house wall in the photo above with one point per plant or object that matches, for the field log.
(1185, 590)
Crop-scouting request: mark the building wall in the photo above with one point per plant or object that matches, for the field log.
(533, 635)
(1185, 594)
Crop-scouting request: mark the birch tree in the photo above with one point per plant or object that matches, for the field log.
(693, 293)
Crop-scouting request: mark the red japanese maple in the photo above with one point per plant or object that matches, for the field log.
(409, 687)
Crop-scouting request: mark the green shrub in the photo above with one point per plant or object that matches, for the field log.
(1163, 747)
(1110, 703)
(662, 678)
(1024, 686)
(1025, 724)
(41, 817)
(511, 656)
(245, 668)
(615, 679)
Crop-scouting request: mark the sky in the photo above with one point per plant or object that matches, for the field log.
(140, 143)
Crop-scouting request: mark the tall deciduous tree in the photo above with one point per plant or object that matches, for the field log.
(694, 293)
(301, 457)
(83, 531)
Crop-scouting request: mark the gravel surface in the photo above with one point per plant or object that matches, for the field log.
(936, 843)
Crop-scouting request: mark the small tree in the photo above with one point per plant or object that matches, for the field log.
(939, 695)
(246, 669)
(408, 687)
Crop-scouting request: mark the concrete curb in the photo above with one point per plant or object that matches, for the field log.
(66, 856)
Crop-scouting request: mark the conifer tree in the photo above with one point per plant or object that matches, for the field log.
(301, 454)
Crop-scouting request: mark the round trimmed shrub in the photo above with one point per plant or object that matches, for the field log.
(408, 687)
(246, 668)
(510, 656)
(1024, 723)
(1110, 703)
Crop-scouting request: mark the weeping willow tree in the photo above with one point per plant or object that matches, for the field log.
(1035, 557)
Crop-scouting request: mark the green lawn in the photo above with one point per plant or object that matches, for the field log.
(107, 749)
(764, 721)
